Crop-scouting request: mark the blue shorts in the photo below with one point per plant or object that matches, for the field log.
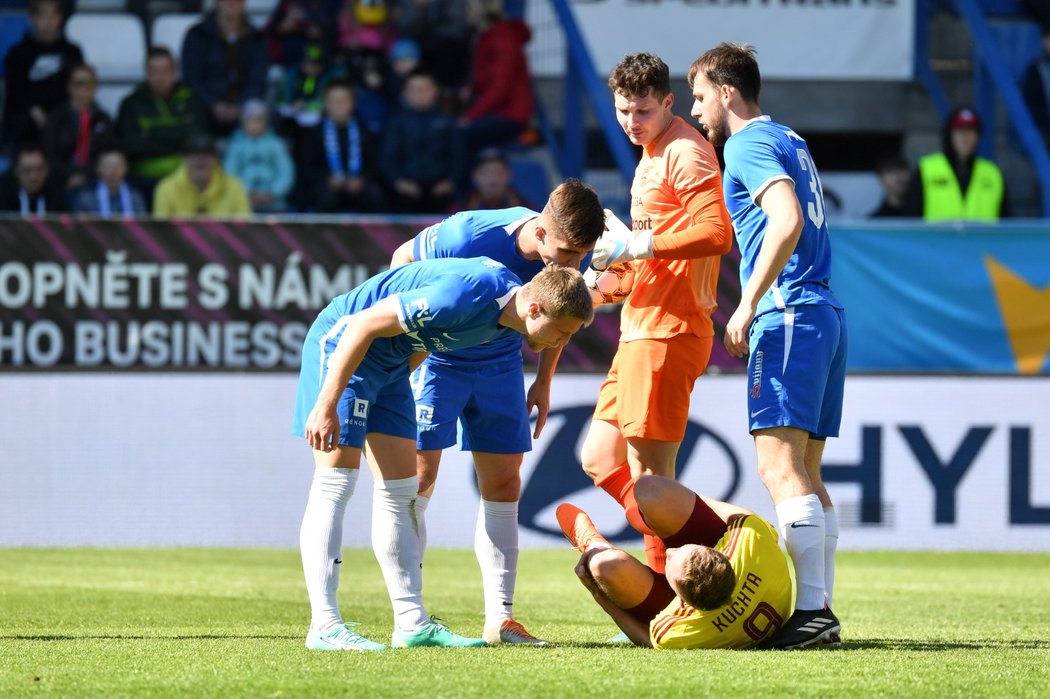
(487, 398)
(797, 369)
(377, 399)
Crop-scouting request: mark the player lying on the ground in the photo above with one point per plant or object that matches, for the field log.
(354, 389)
(727, 582)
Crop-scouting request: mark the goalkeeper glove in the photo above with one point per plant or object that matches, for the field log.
(620, 244)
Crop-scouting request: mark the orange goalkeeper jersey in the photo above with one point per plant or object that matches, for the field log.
(677, 196)
(761, 602)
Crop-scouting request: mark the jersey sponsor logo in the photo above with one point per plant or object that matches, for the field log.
(417, 313)
(642, 224)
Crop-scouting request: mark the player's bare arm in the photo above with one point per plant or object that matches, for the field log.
(381, 320)
(539, 395)
(781, 236)
(403, 255)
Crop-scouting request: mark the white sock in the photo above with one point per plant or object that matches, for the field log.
(496, 546)
(421, 503)
(396, 546)
(320, 541)
(831, 543)
(802, 526)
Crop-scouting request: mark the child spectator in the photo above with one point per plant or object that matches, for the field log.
(403, 60)
(157, 119)
(301, 98)
(77, 130)
(421, 152)
(894, 175)
(336, 160)
(36, 71)
(200, 187)
(111, 195)
(492, 188)
(27, 188)
(259, 159)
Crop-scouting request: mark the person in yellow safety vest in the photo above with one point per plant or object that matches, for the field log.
(957, 184)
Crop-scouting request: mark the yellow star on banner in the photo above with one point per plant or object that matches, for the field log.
(1026, 314)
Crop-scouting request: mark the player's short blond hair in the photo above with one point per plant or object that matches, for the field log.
(641, 74)
(575, 213)
(562, 293)
(708, 580)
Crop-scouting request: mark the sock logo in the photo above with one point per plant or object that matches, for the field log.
(796, 525)
(338, 561)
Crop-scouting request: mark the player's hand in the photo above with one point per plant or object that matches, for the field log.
(539, 397)
(736, 338)
(322, 428)
(619, 244)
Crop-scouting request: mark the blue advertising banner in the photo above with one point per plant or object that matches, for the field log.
(958, 299)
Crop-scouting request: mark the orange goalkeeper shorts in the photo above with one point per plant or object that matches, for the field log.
(647, 390)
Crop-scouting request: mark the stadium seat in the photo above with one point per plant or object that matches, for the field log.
(529, 177)
(114, 43)
(109, 97)
(170, 30)
(12, 28)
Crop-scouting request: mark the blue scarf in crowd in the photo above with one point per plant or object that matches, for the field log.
(331, 147)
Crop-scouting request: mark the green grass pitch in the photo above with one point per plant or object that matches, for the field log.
(226, 623)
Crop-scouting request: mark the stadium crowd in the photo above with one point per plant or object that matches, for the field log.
(333, 106)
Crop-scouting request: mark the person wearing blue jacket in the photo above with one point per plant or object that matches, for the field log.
(259, 159)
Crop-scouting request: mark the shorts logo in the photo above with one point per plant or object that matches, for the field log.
(424, 414)
(756, 376)
(360, 408)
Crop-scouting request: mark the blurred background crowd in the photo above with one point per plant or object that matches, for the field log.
(311, 106)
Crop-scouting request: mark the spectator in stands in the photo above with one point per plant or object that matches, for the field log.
(443, 34)
(111, 195)
(200, 187)
(77, 130)
(300, 101)
(894, 175)
(501, 102)
(156, 120)
(28, 188)
(421, 154)
(491, 179)
(956, 184)
(403, 60)
(225, 60)
(1035, 86)
(365, 27)
(259, 159)
(295, 25)
(336, 160)
(36, 72)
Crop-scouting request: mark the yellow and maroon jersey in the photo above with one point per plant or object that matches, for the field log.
(677, 185)
(761, 602)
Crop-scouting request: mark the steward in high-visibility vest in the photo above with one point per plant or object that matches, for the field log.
(958, 185)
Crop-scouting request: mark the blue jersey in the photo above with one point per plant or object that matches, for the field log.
(758, 155)
(489, 233)
(443, 305)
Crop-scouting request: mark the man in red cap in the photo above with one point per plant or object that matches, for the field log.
(957, 184)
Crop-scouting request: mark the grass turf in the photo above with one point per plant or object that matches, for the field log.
(222, 623)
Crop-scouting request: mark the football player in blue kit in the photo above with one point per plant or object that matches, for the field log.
(482, 388)
(788, 322)
(354, 391)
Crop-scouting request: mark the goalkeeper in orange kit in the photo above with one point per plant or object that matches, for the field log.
(679, 230)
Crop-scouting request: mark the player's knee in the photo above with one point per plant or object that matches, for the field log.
(607, 564)
(649, 491)
(506, 488)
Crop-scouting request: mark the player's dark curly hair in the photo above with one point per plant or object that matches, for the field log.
(641, 74)
(708, 580)
(576, 213)
(730, 64)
